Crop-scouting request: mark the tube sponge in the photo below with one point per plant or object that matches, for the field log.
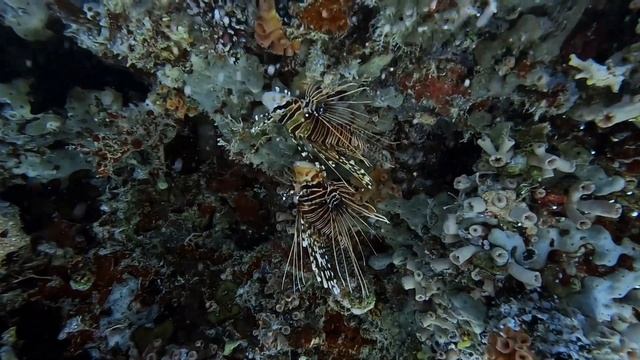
(606, 250)
(500, 256)
(462, 183)
(599, 75)
(497, 157)
(440, 265)
(408, 282)
(549, 162)
(507, 240)
(450, 225)
(604, 184)
(599, 296)
(461, 255)
(530, 279)
(473, 206)
(625, 110)
(600, 208)
(523, 215)
(478, 230)
(575, 207)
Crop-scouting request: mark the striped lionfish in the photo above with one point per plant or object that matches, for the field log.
(330, 224)
(325, 120)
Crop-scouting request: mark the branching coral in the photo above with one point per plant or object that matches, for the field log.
(269, 32)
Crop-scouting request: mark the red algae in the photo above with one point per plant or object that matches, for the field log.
(327, 16)
(439, 89)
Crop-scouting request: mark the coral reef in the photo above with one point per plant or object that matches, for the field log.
(441, 179)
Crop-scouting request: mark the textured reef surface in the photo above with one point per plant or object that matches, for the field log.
(319, 179)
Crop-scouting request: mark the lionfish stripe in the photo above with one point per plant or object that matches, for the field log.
(331, 158)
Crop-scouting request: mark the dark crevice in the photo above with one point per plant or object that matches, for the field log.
(57, 65)
(57, 211)
(37, 329)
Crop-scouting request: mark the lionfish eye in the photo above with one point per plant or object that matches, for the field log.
(307, 114)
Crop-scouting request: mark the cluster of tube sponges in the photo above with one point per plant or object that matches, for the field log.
(509, 345)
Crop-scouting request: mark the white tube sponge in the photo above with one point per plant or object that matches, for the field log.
(610, 185)
(507, 240)
(530, 279)
(478, 230)
(428, 320)
(632, 336)
(606, 251)
(500, 200)
(473, 206)
(485, 143)
(625, 110)
(591, 207)
(450, 225)
(571, 209)
(462, 183)
(604, 184)
(487, 13)
(412, 265)
(579, 189)
(599, 294)
(497, 157)
(465, 307)
(546, 161)
(521, 213)
(421, 293)
(440, 265)
(500, 256)
(600, 208)
(542, 158)
(599, 75)
(408, 282)
(433, 287)
(423, 334)
(418, 276)
(461, 255)
(581, 221)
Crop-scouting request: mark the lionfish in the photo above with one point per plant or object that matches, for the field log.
(330, 224)
(325, 120)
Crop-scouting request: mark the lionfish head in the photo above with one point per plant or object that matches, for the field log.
(305, 172)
